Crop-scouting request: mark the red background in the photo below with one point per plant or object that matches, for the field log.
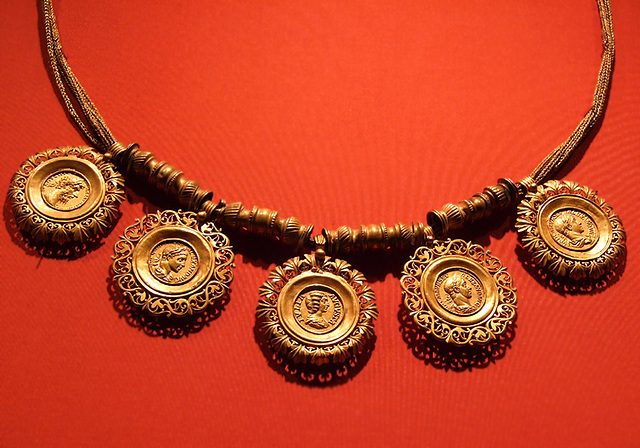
(337, 113)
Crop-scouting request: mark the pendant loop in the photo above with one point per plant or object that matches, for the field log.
(317, 309)
(570, 230)
(458, 292)
(68, 195)
(169, 264)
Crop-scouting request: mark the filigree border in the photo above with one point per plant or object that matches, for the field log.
(545, 256)
(300, 351)
(479, 333)
(215, 288)
(43, 230)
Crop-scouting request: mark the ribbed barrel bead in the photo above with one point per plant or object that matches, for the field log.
(165, 177)
(133, 161)
(345, 240)
(263, 221)
(293, 233)
(481, 205)
(499, 194)
(342, 240)
(455, 215)
(511, 189)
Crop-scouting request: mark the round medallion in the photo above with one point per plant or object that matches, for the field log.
(66, 195)
(169, 264)
(173, 262)
(570, 230)
(317, 310)
(458, 292)
(65, 190)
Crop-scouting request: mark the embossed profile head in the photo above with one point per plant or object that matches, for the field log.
(317, 304)
(63, 188)
(173, 258)
(458, 289)
(568, 225)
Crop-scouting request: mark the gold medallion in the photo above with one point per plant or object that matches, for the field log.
(316, 309)
(66, 195)
(570, 230)
(169, 264)
(458, 292)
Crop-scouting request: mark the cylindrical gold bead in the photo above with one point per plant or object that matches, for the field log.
(341, 240)
(151, 165)
(438, 221)
(511, 189)
(165, 177)
(265, 222)
(243, 219)
(262, 220)
(293, 233)
(373, 237)
(346, 240)
(230, 214)
(399, 235)
(480, 205)
(175, 183)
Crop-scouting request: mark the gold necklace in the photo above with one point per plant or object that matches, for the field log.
(314, 308)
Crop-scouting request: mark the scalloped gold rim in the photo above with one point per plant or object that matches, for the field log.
(479, 333)
(212, 290)
(45, 230)
(299, 350)
(545, 255)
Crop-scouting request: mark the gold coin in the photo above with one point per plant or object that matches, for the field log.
(169, 264)
(66, 196)
(173, 262)
(458, 292)
(574, 227)
(570, 230)
(319, 308)
(65, 190)
(316, 310)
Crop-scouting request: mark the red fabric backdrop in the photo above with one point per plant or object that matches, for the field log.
(337, 113)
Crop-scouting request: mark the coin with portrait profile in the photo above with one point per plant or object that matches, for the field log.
(316, 309)
(570, 230)
(458, 292)
(169, 263)
(66, 196)
(65, 190)
(173, 261)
